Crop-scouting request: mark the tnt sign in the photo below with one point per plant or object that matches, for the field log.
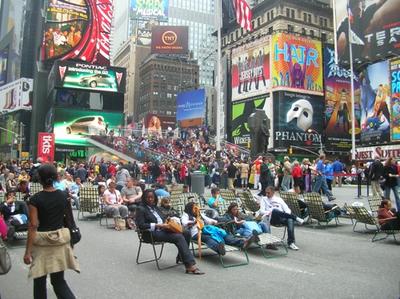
(46, 147)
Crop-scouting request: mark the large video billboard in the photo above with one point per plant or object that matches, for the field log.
(73, 126)
(296, 64)
(191, 108)
(395, 99)
(156, 124)
(150, 9)
(78, 29)
(90, 77)
(241, 110)
(251, 69)
(170, 39)
(338, 108)
(298, 119)
(375, 104)
(375, 29)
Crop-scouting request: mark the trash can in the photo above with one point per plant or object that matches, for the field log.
(197, 181)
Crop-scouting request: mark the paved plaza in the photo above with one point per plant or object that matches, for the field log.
(332, 262)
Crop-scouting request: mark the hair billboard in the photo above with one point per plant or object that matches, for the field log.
(338, 108)
(296, 64)
(79, 30)
(251, 69)
(375, 29)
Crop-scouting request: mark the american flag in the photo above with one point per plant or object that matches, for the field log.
(243, 14)
(349, 12)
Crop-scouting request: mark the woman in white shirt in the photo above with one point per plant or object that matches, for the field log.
(113, 204)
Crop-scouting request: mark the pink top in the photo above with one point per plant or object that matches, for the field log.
(3, 228)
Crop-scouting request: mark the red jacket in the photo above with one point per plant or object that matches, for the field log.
(296, 172)
(183, 173)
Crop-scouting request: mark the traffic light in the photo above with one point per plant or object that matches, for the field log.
(290, 151)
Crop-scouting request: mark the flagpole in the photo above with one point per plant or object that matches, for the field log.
(334, 30)
(353, 119)
(218, 77)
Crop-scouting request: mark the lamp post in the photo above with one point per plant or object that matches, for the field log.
(321, 149)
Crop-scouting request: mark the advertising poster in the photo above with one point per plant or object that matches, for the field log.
(395, 99)
(46, 146)
(296, 64)
(78, 29)
(191, 108)
(150, 9)
(375, 29)
(251, 69)
(338, 113)
(155, 124)
(73, 126)
(3, 66)
(375, 104)
(80, 75)
(170, 39)
(241, 110)
(15, 95)
(298, 119)
(143, 37)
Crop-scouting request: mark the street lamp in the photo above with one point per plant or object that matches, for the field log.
(321, 150)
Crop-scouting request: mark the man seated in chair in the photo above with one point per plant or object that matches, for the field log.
(15, 214)
(275, 211)
(214, 202)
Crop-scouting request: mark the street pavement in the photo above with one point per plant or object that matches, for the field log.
(333, 262)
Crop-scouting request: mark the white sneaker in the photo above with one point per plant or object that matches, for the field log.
(293, 246)
(299, 220)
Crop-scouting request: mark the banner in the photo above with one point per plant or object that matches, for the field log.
(395, 99)
(73, 126)
(191, 108)
(78, 30)
(375, 29)
(170, 40)
(3, 65)
(16, 95)
(241, 110)
(296, 64)
(46, 147)
(251, 69)
(81, 75)
(338, 108)
(375, 104)
(143, 37)
(155, 124)
(298, 119)
(150, 9)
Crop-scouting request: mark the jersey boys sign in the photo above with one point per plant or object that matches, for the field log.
(46, 146)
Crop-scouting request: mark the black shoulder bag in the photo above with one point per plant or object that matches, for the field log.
(70, 224)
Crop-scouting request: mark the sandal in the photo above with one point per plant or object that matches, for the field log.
(195, 271)
(117, 228)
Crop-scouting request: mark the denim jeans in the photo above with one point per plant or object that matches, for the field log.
(286, 182)
(396, 195)
(214, 245)
(59, 284)
(320, 183)
(281, 218)
(247, 233)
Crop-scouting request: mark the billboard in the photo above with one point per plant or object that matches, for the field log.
(251, 69)
(143, 37)
(16, 95)
(338, 108)
(298, 119)
(191, 108)
(155, 124)
(241, 110)
(90, 77)
(296, 64)
(150, 9)
(46, 146)
(395, 99)
(170, 39)
(3, 65)
(79, 30)
(375, 104)
(73, 126)
(375, 29)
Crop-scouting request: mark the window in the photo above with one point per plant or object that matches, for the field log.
(258, 22)
(323, 37)
(304, 17)
(288, 12)
(231, 37)
(312, 33)
(272, 14)
(292, 12)
(303, 31)
(270, 30)
(237, 34)
(290, 28)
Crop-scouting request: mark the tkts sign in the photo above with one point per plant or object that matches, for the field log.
(78, 31)
(46, 146)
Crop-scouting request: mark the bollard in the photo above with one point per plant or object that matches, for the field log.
(359, 185)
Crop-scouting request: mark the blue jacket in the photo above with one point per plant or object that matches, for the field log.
(218, 234)
(337, 166)
(329, 171)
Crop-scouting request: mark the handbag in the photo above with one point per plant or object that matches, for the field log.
(174, 226)
(121, 223)
(5, 260)
(69, 223)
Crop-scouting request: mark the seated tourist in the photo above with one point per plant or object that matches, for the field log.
(74, 192)
(388, 218)
(99, 180)
(215, 199)
(101, 189)
(131, 194)
(59, 183)
(23, 188)
(214, 237)
(167, 209)
(114, 205)
(275, 211)
(185, 189)
(15, 214)
(151, 221)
